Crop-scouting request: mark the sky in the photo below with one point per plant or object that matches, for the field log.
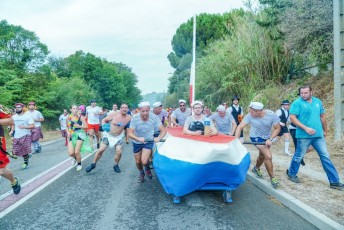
(137, 33)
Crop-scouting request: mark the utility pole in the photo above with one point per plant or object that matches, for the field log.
(338, 48)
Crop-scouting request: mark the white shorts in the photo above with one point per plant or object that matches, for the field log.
(112, 140)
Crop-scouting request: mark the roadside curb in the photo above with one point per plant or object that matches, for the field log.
(311, 215)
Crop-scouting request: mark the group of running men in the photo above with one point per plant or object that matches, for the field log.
(148, 127)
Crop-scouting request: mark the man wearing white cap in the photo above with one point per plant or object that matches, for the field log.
(194, 124)
(180, 114)
(261, 121)
(225, 122)
(160, 112)
(141, 129)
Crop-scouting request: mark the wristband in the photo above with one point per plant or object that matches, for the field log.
(269, 139)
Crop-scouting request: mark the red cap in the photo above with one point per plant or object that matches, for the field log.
(19, 104)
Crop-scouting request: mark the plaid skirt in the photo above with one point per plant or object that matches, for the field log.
(22, 146)
(36, 134)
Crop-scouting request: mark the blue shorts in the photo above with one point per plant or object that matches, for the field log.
(138, 147)
(257, 139)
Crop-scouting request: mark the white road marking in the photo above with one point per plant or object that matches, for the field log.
(37, 190)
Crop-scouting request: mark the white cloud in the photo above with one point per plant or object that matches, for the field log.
(137, 33)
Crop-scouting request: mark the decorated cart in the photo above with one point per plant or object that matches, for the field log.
(185, 163)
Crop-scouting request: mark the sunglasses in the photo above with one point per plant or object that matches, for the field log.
(181, 105)
(18, 107)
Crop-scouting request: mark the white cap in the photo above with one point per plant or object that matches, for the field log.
(182, 101)
(144, 103)
(221, 108)
(197, 102)
(157, 104)
(256, 105)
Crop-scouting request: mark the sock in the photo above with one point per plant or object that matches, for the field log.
(142, 172)
(79, 163)
(286, 146)
(26, 159)
(15, 182)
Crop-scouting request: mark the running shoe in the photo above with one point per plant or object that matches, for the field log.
(39, 149)
(16, 187)
(338, 185)
(257, 172)
(149, 174)
(78, 168)
(73, 161)
(288, 153)
(141, 178)
(274, 182)
(116, 168)
(294, 179)
(303, 162)
(90, 167)
(24, 166)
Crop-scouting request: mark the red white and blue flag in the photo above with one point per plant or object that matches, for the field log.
(186, 163)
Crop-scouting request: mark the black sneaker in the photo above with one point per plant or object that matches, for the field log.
(294, 179)
(116, 168)
(98, 145)
(16, 187)
(90, 167)
(303, 162)
(338, 185)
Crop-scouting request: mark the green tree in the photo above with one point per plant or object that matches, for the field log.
(20, 48)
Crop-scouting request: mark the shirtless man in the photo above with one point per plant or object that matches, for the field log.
(113, 138)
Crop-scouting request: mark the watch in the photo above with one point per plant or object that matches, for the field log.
(270, 139)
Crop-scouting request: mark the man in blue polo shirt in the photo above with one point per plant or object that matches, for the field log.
(307, 113)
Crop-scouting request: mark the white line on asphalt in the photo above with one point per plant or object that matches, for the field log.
(37, 190)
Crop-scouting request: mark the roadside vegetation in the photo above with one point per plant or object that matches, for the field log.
(29, 73)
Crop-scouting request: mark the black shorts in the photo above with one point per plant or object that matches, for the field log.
(284, 129)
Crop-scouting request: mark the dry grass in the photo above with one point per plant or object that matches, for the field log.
(314, 191)
(47, 134)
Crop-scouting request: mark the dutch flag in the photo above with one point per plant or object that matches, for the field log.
(186, 163)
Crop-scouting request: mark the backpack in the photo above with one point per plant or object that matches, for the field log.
(196, 125)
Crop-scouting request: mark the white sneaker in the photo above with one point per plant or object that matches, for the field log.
(288, 153)
(73, 161)
(78, 168)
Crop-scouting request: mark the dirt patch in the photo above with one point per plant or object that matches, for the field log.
(314, 189)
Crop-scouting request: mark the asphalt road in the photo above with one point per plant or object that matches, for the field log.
(104, 199)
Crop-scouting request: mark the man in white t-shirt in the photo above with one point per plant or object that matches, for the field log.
(63, 124)
(93, 124)
(23, 124)
(36, 133)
